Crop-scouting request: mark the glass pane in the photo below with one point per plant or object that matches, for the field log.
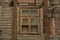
(34, 12)
(34, 28)
(25, 12)
(25, 28)
(34, 21)
(25, 21)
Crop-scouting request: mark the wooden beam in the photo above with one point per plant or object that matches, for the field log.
(14, 20)
(46, 20)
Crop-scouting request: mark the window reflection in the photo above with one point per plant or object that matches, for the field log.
(25, 12)
(25, 21)
(34, 21)
(33, 12)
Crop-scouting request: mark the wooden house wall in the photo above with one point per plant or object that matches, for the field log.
(6, 23)
(6, 20)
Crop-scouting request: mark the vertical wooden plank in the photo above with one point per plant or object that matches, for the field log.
(46, 24)
(39, 20)
(29, 24)
(29, 18)
(14, 20)
(21, 18)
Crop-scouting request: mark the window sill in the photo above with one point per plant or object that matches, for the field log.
(30, 33)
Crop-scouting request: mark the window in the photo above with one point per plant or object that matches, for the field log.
(29, 20)
(51, 2)
(25, 13)
(33, 12)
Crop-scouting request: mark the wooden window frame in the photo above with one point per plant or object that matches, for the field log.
(20, 23)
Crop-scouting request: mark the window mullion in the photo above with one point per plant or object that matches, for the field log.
(29, 22)
(20, 28)
(20, 24)
(39, 20)
(38, 24)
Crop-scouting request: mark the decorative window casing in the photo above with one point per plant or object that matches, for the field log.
(29, 20)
